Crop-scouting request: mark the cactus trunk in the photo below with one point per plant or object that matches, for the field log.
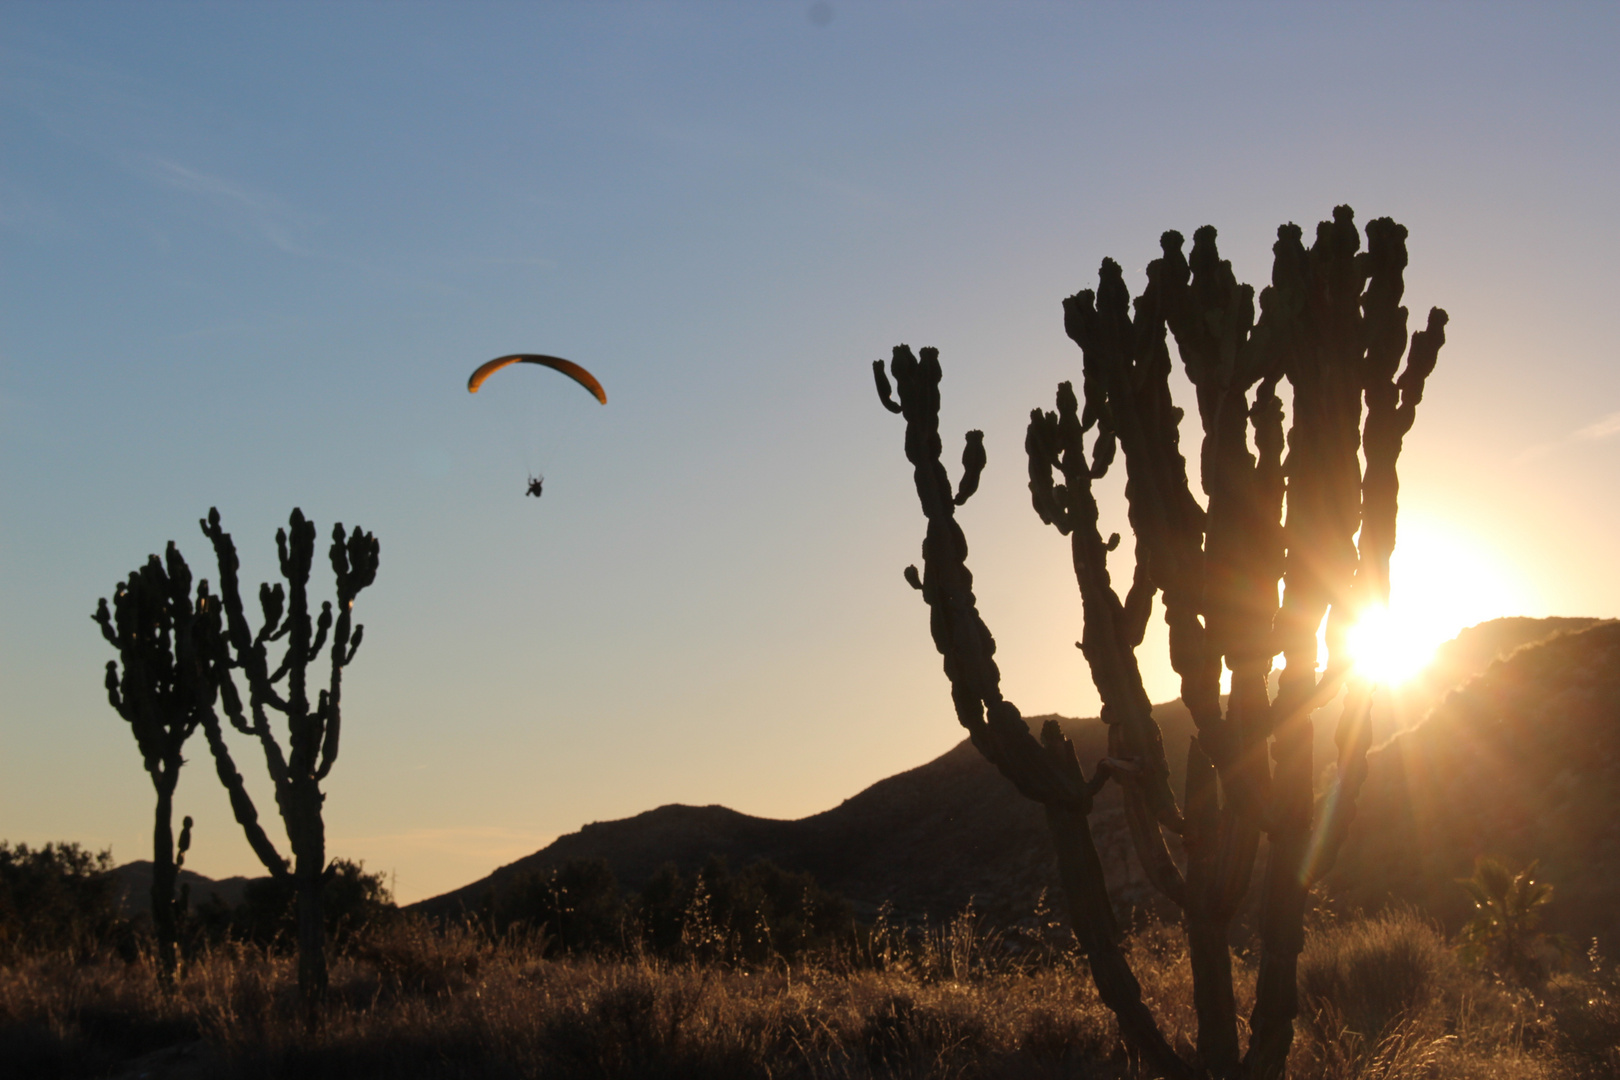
(312, 978)
(164, 872)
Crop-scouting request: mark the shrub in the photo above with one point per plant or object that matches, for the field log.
(352, 900)
(1505, 935)
(1369, 975)
(756, 915)
(577, 906)
(55, 898)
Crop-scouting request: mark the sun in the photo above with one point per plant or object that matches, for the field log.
(1441, 581)
(1387, 650)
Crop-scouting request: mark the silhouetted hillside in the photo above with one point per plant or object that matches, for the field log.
(925, 841)
(132, 887)
(1459, 660)
(1521, 762)
(929, 839)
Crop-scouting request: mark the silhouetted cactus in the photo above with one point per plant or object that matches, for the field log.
(1332, 326)
(313, 729)
(163, 692)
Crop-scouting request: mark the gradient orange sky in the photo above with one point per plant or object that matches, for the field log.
(248, 256)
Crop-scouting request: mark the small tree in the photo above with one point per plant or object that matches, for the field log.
(313, 728)
(1505, 933)
(1331, 324)
(163, 693)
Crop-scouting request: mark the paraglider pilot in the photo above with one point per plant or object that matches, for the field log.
(535, 483)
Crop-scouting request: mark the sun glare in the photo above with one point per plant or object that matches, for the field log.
(1440, 583)
(1387, 650)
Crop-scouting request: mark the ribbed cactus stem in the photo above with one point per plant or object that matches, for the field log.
(1044, 770)
(313, 728)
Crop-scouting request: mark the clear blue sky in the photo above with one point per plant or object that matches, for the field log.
(249, 253)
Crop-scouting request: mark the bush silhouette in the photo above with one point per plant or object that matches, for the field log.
(352, 901)
(55, 898)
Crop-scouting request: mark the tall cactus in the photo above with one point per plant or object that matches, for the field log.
(1330, 324)
(163, 692)
(313, 729)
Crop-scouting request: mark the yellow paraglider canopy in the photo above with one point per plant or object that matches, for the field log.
(556, 363)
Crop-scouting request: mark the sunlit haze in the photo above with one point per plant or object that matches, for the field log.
(249, 255)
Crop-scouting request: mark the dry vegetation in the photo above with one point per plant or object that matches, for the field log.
(1386, 997)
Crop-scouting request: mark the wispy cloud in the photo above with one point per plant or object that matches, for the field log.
(1603, 429)
(260, 212)
(266, 218)
(1606, 428)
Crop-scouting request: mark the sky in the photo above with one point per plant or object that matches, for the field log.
(249, 254)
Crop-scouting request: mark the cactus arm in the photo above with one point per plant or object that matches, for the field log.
(1110, 628)
(884, 390)
(334, 725)
(231, 699)
(276, 763)
(354, 558)
(973, 462)
(281, 673)
(242, 808)
(236, 627)
(1147, 839)
(1124, 367)
(1045, 771)
(322, 626)
(114, 698)
(104, 618)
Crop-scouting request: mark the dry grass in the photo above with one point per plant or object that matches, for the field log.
(1385, 998)
(1381, 998)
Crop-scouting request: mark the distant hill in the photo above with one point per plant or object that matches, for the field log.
(1522, 762)
(923, 841)
(132, 887)
(927, 840)
(1459, 660)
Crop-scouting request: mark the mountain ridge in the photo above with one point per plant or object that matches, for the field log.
(928, 840)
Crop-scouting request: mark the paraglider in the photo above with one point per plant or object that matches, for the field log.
(556, 363)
